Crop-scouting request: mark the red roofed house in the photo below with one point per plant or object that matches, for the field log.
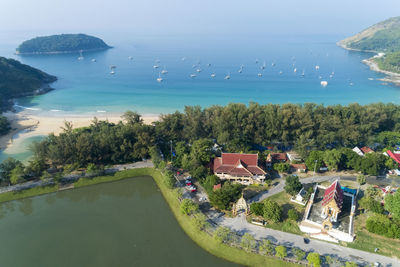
(366, 150)
(301, 167)
(239, 168)
(276, 158)
(332, 202)
(394, 156)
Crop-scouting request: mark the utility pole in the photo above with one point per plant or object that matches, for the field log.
(315, 166)
(171, 149)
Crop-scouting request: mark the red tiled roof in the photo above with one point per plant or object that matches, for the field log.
(366, 150)
(232, 158)
(394, 156)
(216, 187)
(238, 164)
(279, 156)
(300, 166)
(334, 191)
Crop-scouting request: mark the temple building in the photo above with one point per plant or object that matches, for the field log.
(239, 168)
(332, 202)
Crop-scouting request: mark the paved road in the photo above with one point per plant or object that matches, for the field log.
(240, 225)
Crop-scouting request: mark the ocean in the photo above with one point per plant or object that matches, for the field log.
(88, 87)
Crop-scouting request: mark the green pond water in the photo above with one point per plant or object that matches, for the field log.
(125, 223)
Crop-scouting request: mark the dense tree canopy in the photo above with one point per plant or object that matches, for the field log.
(61, 43)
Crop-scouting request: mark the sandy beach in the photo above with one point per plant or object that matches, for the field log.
(28, 125)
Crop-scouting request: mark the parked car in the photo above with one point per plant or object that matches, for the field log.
(306, 240)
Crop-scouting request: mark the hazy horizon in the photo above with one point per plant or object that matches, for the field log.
(180, 17)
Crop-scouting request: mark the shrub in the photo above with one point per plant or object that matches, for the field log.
(382, 225)
(292, 185)
(200, 221)
(257, 208)
(361, 179)
(266, 247)
(314, 259)
(272, 211)
(300, 254)
(222, 234)
(280, 252)
(188, 206)
(293, 215)
(281, 167)
(248, 242)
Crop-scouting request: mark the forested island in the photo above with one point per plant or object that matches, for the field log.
(383, 38)
(62, 43)
(18, 80)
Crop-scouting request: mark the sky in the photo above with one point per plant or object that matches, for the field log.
(195, 17)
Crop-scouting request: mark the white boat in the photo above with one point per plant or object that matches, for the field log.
(324, 83)
(295, 70)
(280, 73)
(302, 74)
(159, 79)
(193, 75)
(371, 79)
(112, 72)
(156, 66)
(93, 60)
(209, 64)
(198, 70)
(80, 56)
(227, 77)
(259, 74)
(213, 75)
(164, 71)
(273, 64)
(317, 67)
(351, 84)
(130, 58)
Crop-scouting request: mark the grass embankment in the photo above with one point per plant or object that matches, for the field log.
(201, 238)
(368, 241)
(35, 191)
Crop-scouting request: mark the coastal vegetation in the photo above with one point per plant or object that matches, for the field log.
(381, 37)
(61, 43)
(17, 80)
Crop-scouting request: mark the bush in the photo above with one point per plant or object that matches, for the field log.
(382, 225)
(361, 179)
(257, 208)
(248, 242)
(222, 234)
(169, 179)
(199, 221)
(293, 185)
(280, 252)
(293, 215)
(371, 205)
(272, 211)
(222, 198)
(300, 254)
(281, 167)
(314, 259)
(188, 206)
(266, 247)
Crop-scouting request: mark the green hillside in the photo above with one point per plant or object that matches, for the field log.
(61, 44)
(17, 79)
(381, 37)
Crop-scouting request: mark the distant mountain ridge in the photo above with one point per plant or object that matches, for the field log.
(18, 80)
(382, 38)
(62, 43)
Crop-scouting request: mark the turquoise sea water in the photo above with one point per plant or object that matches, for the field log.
(88, 87)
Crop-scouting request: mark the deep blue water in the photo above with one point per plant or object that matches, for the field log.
(88, 87)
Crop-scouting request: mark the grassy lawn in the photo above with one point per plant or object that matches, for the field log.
(368, 241)
(36, 191)
(283, 199)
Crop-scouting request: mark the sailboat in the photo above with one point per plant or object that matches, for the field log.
(112, 67)
(80, 56)
(263, 66)
(295, 70)
(259, 74)
(159, 79)
(213, 75)
(193, 75)
(317, 67)
(93, 60)
(280, 73)
(164, 71)
(227, 77)
(156, 66)
(198, 70)
(324, 83)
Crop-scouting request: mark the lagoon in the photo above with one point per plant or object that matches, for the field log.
(124, 223)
